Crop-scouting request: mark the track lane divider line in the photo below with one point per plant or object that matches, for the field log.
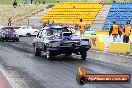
(7, 78)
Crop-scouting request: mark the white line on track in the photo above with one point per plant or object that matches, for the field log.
(7, 78)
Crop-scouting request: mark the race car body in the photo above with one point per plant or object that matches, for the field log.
(8, 33)
(26, 31)
(57, 40)
(89, 31)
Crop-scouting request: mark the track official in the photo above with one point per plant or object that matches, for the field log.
(114, 30)
(126, 32)
(81, 27)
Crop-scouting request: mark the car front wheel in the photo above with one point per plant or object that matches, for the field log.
(17, 40)
(83, 55)
(37, 52)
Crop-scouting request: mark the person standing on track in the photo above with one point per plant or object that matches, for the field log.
(121, 27)
(121, 30)
(126, 32)
(81, 27)
(114, 30)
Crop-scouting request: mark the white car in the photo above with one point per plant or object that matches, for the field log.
(89, 31)
(26, 31)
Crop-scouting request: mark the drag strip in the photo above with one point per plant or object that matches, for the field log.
(39, 72)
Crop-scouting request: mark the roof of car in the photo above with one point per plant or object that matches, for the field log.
(8, 27)
(58, 27)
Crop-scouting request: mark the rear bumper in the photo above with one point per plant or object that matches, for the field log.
(69, 49)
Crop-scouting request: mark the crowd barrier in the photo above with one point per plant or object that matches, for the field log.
(105, 33)
(97, 43)
(119, 48)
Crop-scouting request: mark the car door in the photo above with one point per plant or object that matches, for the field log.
(24, 30)
(21, 31)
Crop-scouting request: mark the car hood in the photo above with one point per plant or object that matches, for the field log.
(59, 39)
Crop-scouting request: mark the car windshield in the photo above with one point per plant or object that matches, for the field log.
(8, 30)
(59, 30)
(90, 29)
(17, 27)
(53, 31)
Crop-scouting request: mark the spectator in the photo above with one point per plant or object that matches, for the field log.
(114, 1)
(9, 22)
(31, 1)
(101, 2)
(58, 1)
(25, 2)
(126, 32)
(81, 27)
(114, 30)
(15, 4)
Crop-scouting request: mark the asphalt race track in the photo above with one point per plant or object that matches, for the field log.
(28, 71)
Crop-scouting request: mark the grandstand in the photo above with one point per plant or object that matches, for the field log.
(72, 12)
(119, 12)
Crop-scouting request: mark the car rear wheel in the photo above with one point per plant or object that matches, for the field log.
(17, 40)
(28, 34)
(83, 55)
(37, 52)
(13, 40)
(2, 40)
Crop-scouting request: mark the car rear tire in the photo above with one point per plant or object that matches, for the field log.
(83, 55)
(17, 40)
(13, 40)
(6, 40)
(28, 34)
(2, 40)
(37, 52)
(49, 55)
